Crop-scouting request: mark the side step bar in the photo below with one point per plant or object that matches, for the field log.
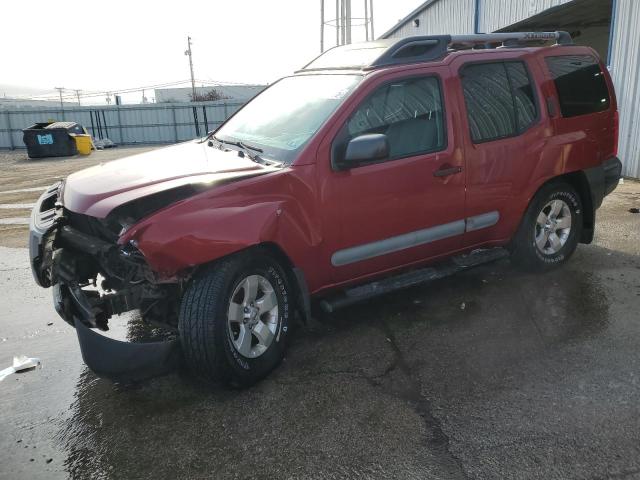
(412, 278)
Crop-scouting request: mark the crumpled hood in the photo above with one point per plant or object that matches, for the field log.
(97, 190)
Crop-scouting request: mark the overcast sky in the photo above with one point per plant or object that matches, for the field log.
(117, 44)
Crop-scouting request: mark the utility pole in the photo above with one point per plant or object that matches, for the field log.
(60, 90)
(193, 81)
(78, 95)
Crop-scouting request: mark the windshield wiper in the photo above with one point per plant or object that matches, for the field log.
(240, 144)
(245, 149)
(250, 147)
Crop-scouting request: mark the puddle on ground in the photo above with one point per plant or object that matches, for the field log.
(501, 305)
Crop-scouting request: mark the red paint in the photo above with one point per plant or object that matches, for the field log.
(311, 211)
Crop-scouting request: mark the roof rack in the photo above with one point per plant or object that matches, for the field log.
(382, 53)
(511, 38)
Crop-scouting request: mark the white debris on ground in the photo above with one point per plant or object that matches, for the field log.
(20, 364)
(16, 206)
(104, 143)
(14, 221)
(22, 190)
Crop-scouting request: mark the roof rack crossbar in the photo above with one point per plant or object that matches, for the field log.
(561, 38)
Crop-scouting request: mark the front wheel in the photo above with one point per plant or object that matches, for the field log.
(234, 319)
(551, 228)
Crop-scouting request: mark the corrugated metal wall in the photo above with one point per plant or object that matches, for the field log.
(457, 16)
(496, 14)
(450, 16)
(126, 124)
(625, 70)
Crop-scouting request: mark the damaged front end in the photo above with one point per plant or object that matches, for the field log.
(94, 278)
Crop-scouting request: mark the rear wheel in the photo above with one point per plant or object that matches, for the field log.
(234, 319)
(551, 228)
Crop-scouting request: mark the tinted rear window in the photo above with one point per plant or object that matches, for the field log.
(581, 85)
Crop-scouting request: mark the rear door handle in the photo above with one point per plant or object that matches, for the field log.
(445, 172)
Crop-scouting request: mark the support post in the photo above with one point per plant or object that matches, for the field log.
(348, 20)
(119, 124)
(343, 31)
(373, 36)
(321, 26)
(10, 130)
(366, 20)
(337, 22)
(612, 30)
(175, 124)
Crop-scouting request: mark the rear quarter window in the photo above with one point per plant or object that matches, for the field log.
(580, 83)
(499, 98)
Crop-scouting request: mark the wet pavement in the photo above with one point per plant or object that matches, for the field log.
(493, 373)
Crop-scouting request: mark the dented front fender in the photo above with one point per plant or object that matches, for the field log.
(277, 208)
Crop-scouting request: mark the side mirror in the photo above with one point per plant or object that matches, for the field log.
(366, 148)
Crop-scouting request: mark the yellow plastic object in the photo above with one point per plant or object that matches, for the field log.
(83, 143)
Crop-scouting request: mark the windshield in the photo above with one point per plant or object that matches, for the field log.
(283, 118)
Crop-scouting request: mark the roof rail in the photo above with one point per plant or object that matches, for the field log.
(370, 55)
(413, 49)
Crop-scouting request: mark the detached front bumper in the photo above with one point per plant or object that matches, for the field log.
(41, 226)
(59, 256)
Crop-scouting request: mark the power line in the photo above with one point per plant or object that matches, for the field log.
(68, 94)
(97, 93)
(221, 83)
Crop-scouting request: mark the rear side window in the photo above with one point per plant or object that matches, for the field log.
(522, 94)
(580, 83)
(409, 112)
(499, 98)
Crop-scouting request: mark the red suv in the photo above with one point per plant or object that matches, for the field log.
(337, 183)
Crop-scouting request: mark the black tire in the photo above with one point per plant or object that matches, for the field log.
(205, 335)
(525, 251)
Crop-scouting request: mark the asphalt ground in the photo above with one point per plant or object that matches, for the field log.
(490, 374)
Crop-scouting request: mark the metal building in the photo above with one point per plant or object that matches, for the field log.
(237, 93)
(611, 27)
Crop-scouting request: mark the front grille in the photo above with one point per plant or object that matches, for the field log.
(45, 210)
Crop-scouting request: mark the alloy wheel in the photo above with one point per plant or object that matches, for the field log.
(553, 227)
(253, 316)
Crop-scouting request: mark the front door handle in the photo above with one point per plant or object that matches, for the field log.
(446, 171)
